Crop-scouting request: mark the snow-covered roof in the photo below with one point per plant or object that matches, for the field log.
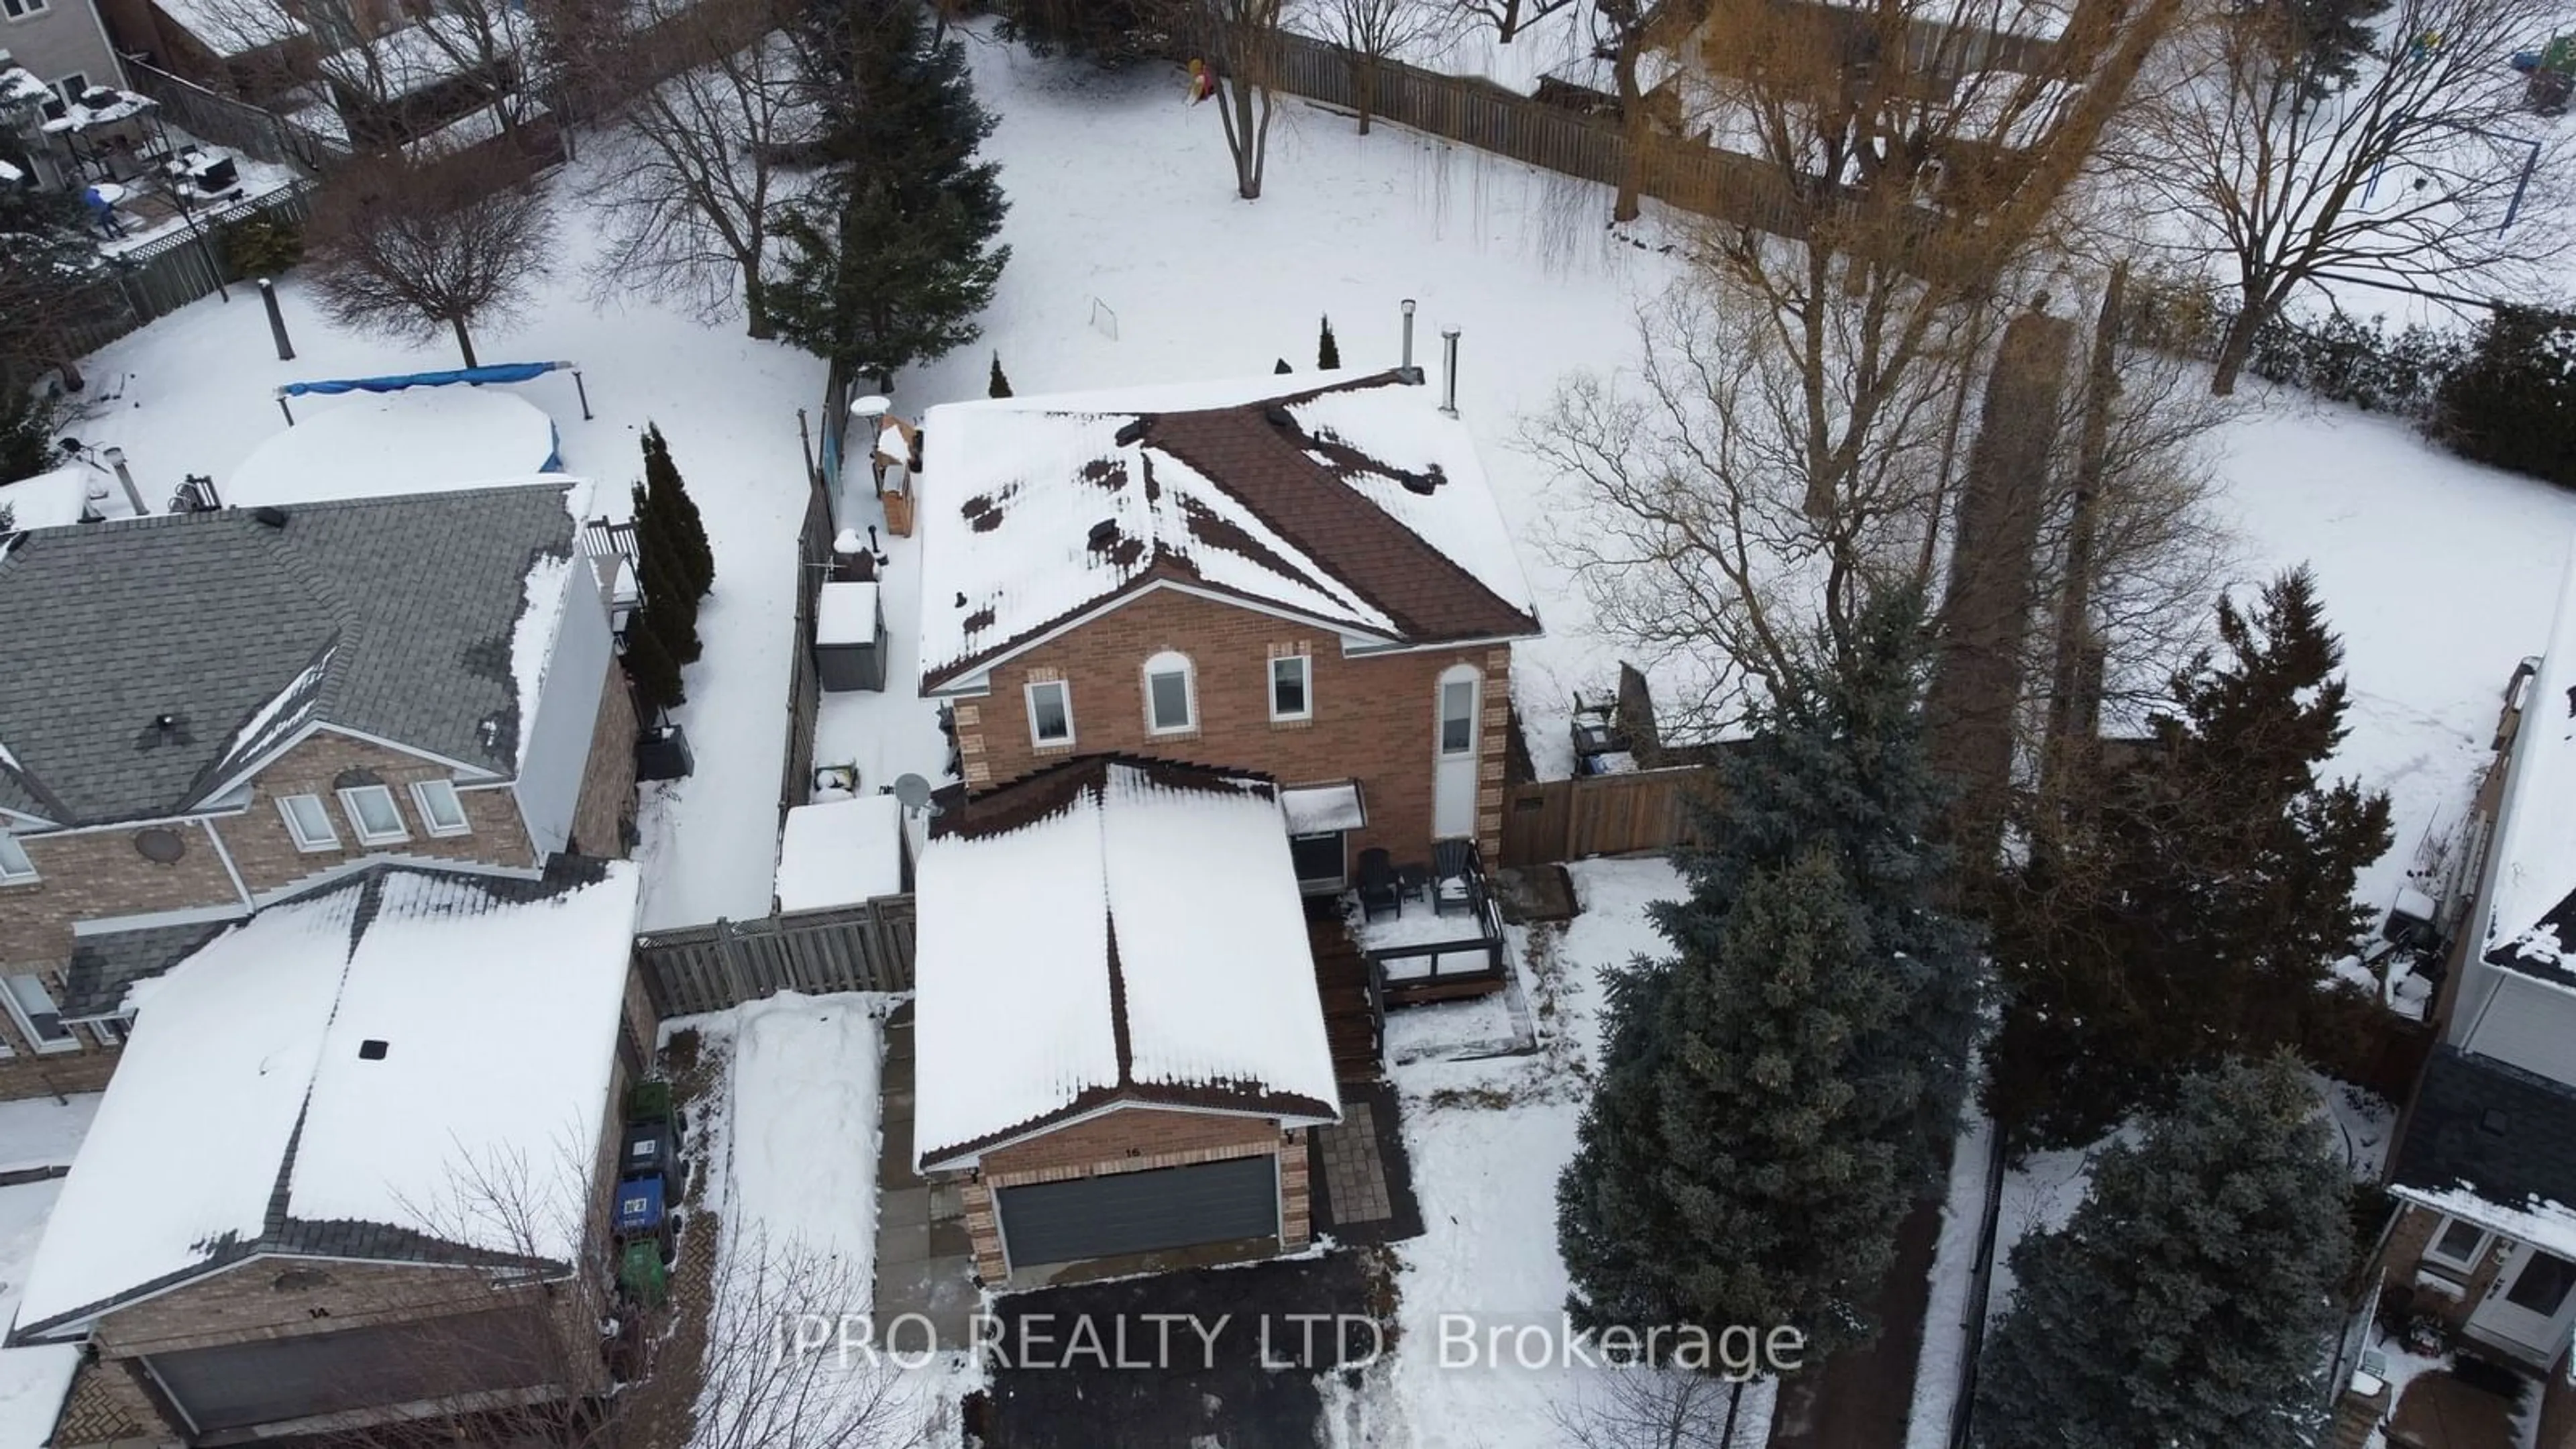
(840, 852)
(2530, 920)
(362, 1060)
(233, 27)
(1311, 809)
(52, 500)
(425, 440)
(426, 52)
(1352, 502)
(82, 116)
(2493, 1143)
(1111, 931)
(846, 612)
(218, 623)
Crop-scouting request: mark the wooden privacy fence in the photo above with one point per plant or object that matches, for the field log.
(165, 274)
(1557, 820)
(866, 947)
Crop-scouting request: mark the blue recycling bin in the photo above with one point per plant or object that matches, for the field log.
(639, 1207)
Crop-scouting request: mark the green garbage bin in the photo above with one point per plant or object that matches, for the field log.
(649, 1101)
(640, 1273)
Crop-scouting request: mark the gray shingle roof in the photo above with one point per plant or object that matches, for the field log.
(103, 966)
(2505, 1134)
(390, 616)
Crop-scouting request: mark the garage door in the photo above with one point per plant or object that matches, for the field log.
(1140, 1212)
(239, 1385)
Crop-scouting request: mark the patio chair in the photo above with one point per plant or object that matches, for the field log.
(1454, 877)
(1379, 886)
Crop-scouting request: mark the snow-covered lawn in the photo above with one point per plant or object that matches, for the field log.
(797, 1131)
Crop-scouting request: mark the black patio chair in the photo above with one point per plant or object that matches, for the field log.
(1454, 877)
(1379, 886)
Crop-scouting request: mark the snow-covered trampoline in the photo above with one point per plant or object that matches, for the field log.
(417, 441)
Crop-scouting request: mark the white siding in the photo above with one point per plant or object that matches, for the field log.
(2522, 1022)
(558, 738)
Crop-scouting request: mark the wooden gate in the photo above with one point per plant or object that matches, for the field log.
(866, 947)
(1602, 815)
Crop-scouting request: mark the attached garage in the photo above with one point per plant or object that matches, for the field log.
(238, 1385)
(1141, 1212)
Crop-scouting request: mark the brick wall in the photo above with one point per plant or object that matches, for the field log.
(606, 809)
(1134, 1139)
(267, 857)
(2405, 1261)
(108, 1404)
(282, 1297)
(1375, 719)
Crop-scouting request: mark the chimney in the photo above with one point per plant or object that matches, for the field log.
(1449, 384)
(1406, 370)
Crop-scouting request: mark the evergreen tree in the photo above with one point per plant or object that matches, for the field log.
(1730, 1171)
(2193, 907)
(676, 513)
(649, 665)
(1838, 754)
(2512, 403)
(1109, 32)
(999, 384)
(1328, 353)
(2326, 39)
(1281, 367)
(891, 257)
(1773, 1095)
(2189, 1300)
(670, 599)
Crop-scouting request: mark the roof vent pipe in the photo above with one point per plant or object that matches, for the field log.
(1449, 360)
(1411, 374)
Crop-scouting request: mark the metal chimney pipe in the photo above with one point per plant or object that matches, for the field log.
(1449, 384)
(115, 459)
(1410, 373)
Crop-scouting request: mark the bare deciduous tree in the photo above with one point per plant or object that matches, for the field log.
(693, 173)
(1240, 43)
(1638, 1407)
(1370, 32)
(1509, 17)
(408, 249)
(2406, 174)
(394, 72)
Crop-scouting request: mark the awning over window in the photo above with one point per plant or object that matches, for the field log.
(1314, 809)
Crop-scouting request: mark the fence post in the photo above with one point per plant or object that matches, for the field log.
(729, 955)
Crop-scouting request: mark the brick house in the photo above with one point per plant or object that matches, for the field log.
(214, 712)
(1204, 647)
(1310, 583)
(2484, 1169)
(329, 1187)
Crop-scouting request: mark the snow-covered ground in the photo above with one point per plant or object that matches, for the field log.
(35, 1133)
(802, 1149)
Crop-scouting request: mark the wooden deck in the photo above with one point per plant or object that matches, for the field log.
(1352, 1021)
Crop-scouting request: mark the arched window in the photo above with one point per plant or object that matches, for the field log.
(1171, 694)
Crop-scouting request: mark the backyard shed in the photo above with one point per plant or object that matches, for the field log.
(850, 637)
(840, 853)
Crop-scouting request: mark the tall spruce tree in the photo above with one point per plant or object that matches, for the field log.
(2189, 1300)
(999, 384)
(649, 665)
(891, 257)
(2192, 908)
(670, 596)
(1328, 353)
(1730, 1171)
(1693, 1195)
(676, 513)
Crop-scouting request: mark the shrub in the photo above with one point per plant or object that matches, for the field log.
(2512, 402)
(263, 248)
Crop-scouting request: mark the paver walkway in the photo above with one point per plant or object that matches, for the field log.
(1352, 1172)
(924, 1260)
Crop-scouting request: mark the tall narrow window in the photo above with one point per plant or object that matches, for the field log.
(1171, 697)
(373, 815)
(15, 867)
(1050, 713)
(1457, 716)
(37, 1016)
(308, 822)
(1292, 679)
(440, 810)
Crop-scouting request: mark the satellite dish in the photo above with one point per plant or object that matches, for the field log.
(912, 792)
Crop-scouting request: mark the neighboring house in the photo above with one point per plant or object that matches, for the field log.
(62, 43)
(2485, 1167)
(1306, 580)
(1204, 645)
(332, 1186)
(246, 48)
(209, 713)
(1119, 1037)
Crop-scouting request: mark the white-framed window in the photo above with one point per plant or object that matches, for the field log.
(1050, 713)
(440, 811)
(111, 1032)
(308, 822)
(33, 1008)
(21, 9)
(1171, 694)
(15, 867)
(2457, 1244)
(373, 815)
(1458, 713)
(1292, 687)
(71, 87)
